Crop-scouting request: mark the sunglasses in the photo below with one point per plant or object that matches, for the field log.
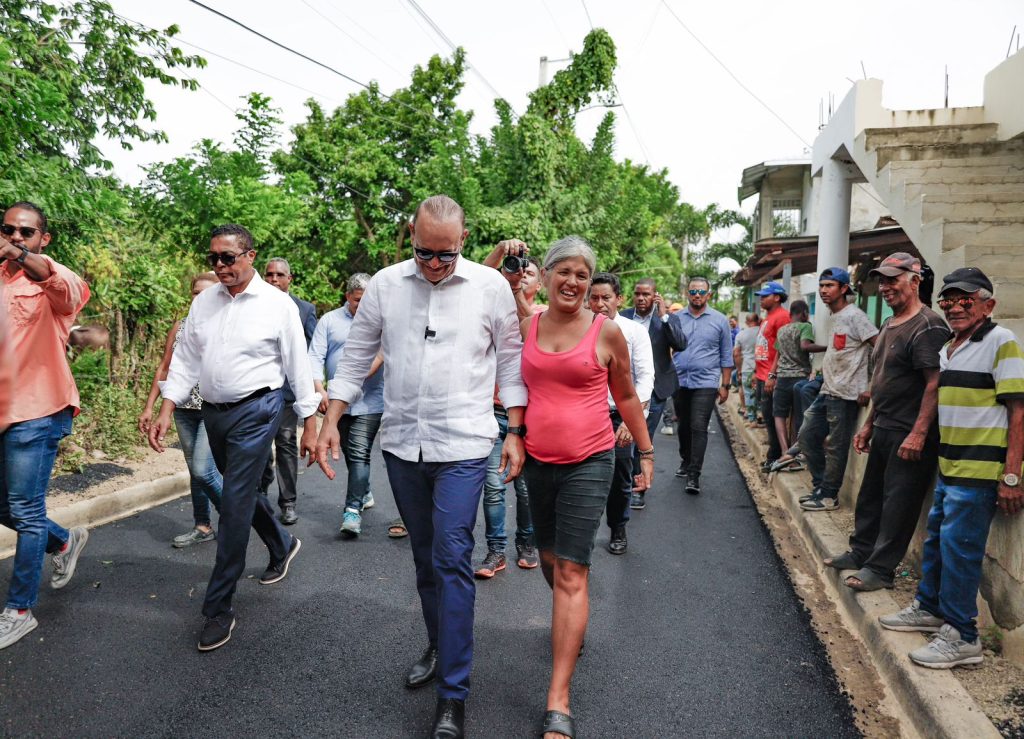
(425, 255)
(226, 259)
(699, 292)
(27, 232)
(965, 301)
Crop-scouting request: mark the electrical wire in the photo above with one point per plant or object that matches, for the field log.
(363, 46)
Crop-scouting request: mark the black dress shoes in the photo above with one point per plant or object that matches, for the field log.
(449, 719)
(424, 670)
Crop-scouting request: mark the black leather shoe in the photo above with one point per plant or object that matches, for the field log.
(693, 485)
(681, 472)
(617, 545)
(448, 719)
(424, 670)
(288, 514)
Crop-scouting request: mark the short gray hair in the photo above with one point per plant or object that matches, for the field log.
(358, 281)
(568, 248)
(281, 260)
(984, 294)
(442, 208)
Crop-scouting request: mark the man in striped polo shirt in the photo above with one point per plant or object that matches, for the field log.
(981, 448)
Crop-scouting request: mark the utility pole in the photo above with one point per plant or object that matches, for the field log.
(542, 78)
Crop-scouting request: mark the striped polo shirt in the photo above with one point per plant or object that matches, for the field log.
(974, 383)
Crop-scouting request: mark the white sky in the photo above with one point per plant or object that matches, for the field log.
(691, 116)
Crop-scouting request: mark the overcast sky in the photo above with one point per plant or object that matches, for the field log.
(688, 113)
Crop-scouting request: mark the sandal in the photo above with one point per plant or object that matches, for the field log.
(868, 581)
(396, 529)
(844, 561)
(558, 723)
(782, 463)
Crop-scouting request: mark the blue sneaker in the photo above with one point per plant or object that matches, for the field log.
(368, 501)
(351, 524)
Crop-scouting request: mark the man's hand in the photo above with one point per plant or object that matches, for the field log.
(659, 305)
(1011, 500)
(723, 394)
(863, 399)
(328, 446)
(324, 400)
(158, 431)
(622, 436)
(769, 385)
(862, 439)
(145, 418)
(309, 438)
(643, 481)
(911, 447)
(513, 454)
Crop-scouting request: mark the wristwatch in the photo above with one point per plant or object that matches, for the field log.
(772, 376)
(517, 430)
(1010, 480)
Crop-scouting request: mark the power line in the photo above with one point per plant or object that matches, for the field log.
(731, 74)
(587, 12)
(554, 22)
(369, 50)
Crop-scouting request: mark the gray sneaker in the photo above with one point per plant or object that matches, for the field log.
(911, 618)
(947, 650)
(195, 536)
(14, 625)
(64, 562)
(368, 501)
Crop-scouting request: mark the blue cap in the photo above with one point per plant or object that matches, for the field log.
(772, 288)
(835, 274)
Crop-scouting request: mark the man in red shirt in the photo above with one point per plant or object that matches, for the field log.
(773, 295)
(42, 299)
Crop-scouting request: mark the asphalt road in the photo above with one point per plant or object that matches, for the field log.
(694, 632)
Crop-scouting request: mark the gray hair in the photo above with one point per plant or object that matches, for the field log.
(283, 261)
(983, 294)
(568, 248)
(358, 281)
(442, 208)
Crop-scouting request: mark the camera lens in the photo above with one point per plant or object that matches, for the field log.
(513, 264)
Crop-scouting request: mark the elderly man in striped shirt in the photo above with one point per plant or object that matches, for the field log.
(981, 449)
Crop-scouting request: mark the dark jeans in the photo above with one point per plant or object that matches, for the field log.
(438, 503)
(357, 435)
(494, 498)
(657, 413)
(958, 527)
(205, 481)
(768, 414)
(240, 440)
(804, 393)
(825, 441)
(693, 409)
(889, 501)
(27, 453)
(617, 508)
(286, 448)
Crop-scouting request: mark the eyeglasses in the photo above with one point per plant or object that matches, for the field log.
(964, 301)
(702, 293)
(27, 232)
(226, 259)
(425, 255)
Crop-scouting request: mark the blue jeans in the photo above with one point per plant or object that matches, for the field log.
(749, 398)
(958, 526)
(357, 435)
(494, 498)
(657, 414)
(205, 482)
(621, 488)
(825, 440)
(438, 502)
(27, 453)
(804, 393)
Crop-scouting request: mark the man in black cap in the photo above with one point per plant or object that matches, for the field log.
(981, 450)
(900, 434)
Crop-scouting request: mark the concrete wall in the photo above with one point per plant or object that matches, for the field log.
(1004, 86)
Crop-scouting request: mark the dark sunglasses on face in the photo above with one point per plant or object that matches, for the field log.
(699, 292)
(425, 255)
(27, 232)
(226, 259)
(964, 301)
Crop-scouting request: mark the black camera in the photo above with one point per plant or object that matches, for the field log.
(515, 262)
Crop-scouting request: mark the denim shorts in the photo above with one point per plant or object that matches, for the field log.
(566, 503)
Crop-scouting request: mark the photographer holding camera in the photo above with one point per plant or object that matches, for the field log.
(512, 258)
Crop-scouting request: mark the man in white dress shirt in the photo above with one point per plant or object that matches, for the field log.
(606, 298)
(448, 331)
(241, 341)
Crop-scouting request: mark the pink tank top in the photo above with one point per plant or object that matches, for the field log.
(567, 414)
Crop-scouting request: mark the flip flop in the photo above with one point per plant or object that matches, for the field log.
(844, 561)
(782, 463)
(868, 581)
(558, 723)
(397, 530)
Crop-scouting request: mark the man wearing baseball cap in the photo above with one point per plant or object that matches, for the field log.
(900, 435)
(828, 424)
(981, 449)
(772, 295)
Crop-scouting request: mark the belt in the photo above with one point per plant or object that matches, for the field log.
(228, 406)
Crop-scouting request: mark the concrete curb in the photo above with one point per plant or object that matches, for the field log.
(110, 507)
(935, 702)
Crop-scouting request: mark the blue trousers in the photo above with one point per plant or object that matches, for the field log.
(958, 525)
(205, 481)
(27, 452)
(240, 440)
(621, 489)
(438, 502)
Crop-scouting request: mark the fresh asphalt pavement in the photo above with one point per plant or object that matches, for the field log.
(694, 632)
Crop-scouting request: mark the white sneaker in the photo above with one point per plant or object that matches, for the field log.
(14, 625)
(668, 431)
(368, 501)
(947, 649)
(911, 618)
(64, 563)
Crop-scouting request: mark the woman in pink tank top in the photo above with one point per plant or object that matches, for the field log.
(571, 359)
